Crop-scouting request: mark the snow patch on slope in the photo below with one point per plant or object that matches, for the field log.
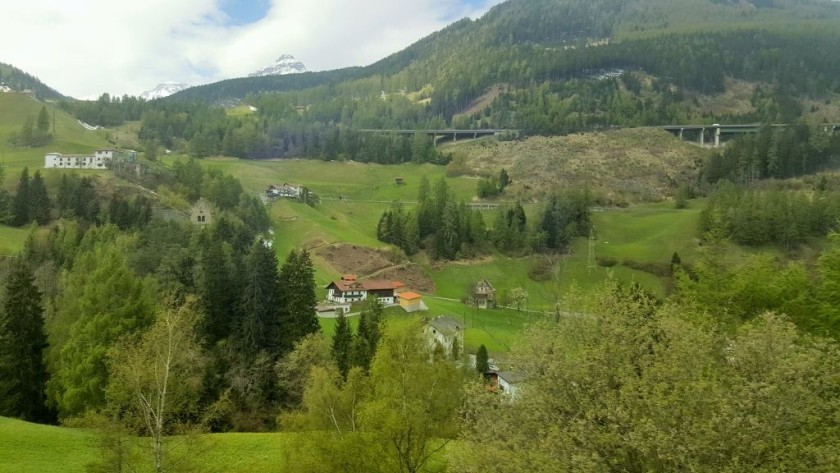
(164, 90)
(285, 64)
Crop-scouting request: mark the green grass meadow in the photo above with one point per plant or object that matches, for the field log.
(12, 240)
(35, 448)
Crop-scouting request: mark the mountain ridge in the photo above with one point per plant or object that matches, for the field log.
(522, 27)
(164, 89)
(285, 64)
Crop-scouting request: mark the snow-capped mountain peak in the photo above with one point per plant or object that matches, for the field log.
(163, 90)
(285, 64)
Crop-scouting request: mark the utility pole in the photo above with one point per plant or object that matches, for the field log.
(590, 260)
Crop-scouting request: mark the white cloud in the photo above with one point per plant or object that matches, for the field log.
(87, 47)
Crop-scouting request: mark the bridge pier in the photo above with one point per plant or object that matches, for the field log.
(702, 137)
(681, 132)
(717, 137)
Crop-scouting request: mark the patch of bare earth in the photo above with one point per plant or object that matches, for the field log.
(354, 259)
(618, 166)
(479, 104)
(412, 276)
(369, 263)
(735, 100)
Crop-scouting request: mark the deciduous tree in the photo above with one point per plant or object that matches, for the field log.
(630, 385)
(156, 376)
(101, 300)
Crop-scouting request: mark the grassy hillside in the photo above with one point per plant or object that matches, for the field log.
(356, 181)
(70, 136)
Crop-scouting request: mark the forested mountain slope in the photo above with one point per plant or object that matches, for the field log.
(545, 67)
(17, 80)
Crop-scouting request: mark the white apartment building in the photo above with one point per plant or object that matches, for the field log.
(99, 160)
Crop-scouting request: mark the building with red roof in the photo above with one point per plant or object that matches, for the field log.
(349, 290)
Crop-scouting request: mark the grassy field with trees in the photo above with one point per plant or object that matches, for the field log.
(660, 306)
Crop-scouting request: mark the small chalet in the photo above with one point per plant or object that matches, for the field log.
(411, 302)
(507, 382)
(484, 295)
(445, 330)
(399, 181)
(201, 213)
(349, 289)
(286, 191)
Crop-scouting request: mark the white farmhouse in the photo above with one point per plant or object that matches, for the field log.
(349, 290)
(446, 331)
(99, 160)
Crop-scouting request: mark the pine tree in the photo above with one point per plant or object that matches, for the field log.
(43, 123)
(259, 327)
(425, 209)
(367, 334)
(481, 363)
(504, 179)
(20, 206)
(41, 133)
(298, 300)
(27, 132)
(39, 201)
(5, 200)
(342, 342)
(64, 198)
(219, 297)
(456, 348)
(23, 376)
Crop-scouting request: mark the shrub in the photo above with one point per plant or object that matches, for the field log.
(606, 261)
(656, 268)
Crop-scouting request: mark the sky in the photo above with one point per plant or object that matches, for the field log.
(84, 48)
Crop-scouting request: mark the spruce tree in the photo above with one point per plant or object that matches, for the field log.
(425, 209)
(216, 287)
(5, 200)
(43, 123)
(298, 299)
(20, 206)
(259, 327)
(342, 342)
(64, 198)
(41, 134)
(23, 376)
(504, 179)
(367, 334)
(39, 200)
(482, 364)
(27, 132)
